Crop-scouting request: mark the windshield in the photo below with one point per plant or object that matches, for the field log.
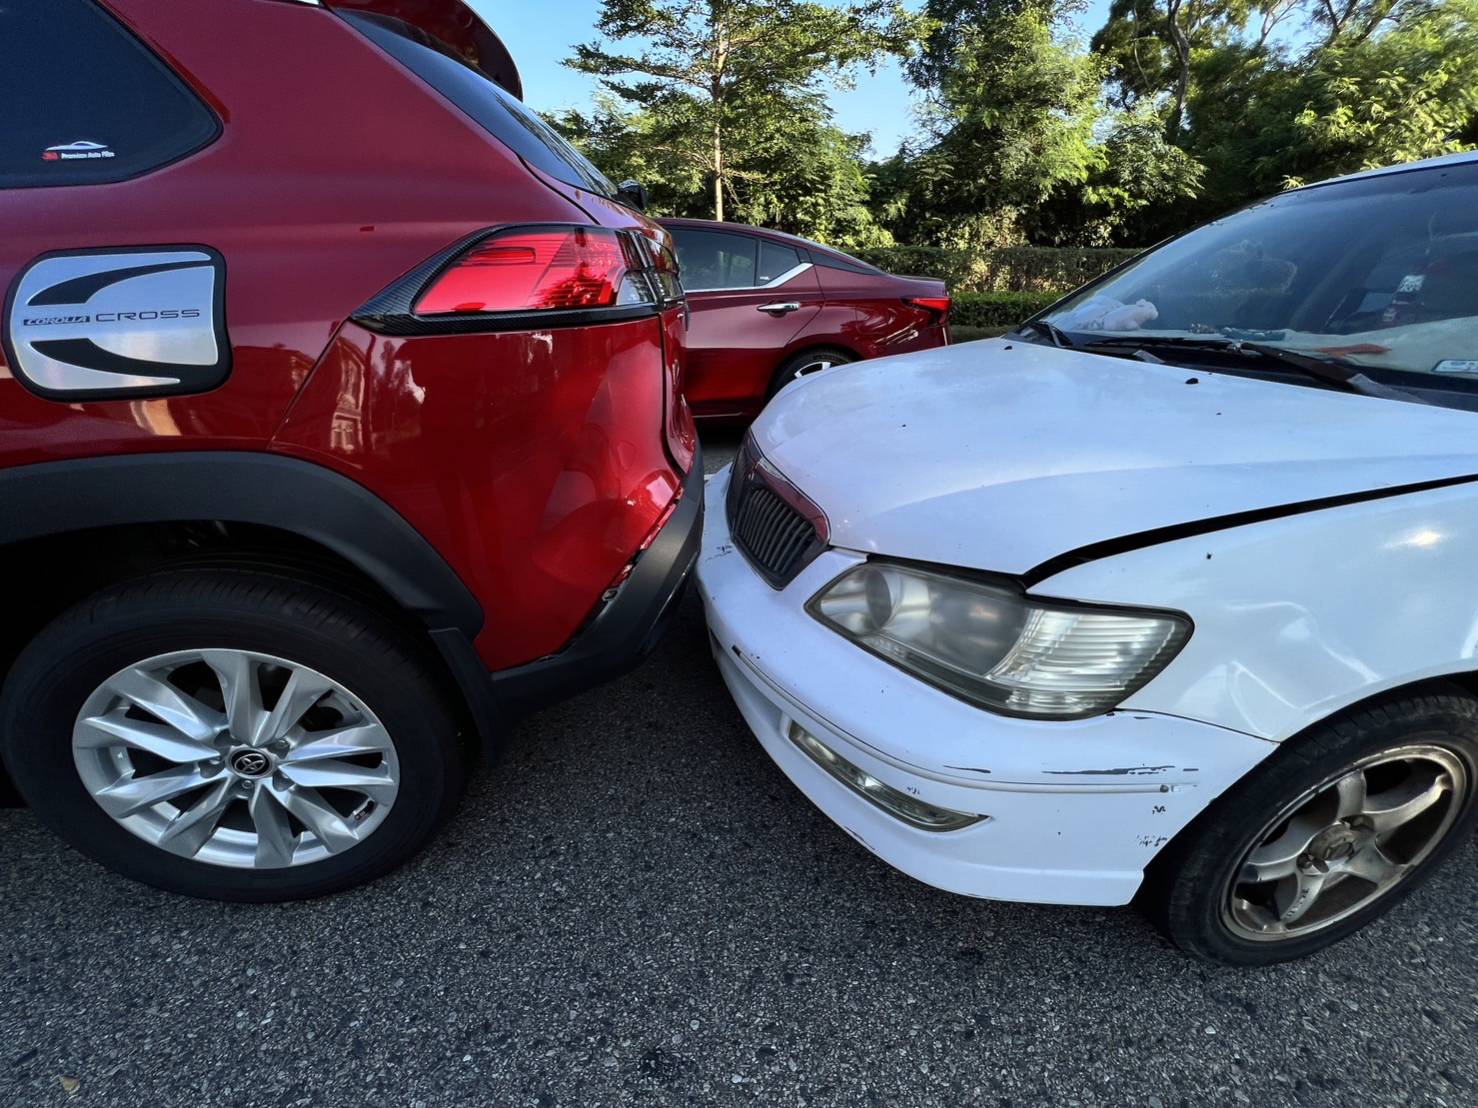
(1378, 272)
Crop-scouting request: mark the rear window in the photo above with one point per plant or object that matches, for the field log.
(715, 259)
(835, 259)
(85, 102)
(488, 104)
(776, 261)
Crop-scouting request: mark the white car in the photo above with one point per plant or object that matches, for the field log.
(1172, 593)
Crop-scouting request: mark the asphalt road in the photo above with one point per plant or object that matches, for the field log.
(634, 907)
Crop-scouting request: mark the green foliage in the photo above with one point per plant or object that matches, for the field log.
(821, 194)
(948, 26)
(1024, 147)
(1139, 179)
(1149, 46)
(950, 264)
(1181, 110)
(730, 92)
(1011, 120)
(998, 309)
(1242, 108)
(1138, 64)
(1012, 269)
(1407, 94)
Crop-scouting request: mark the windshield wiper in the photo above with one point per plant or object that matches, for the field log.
(1058, 336)
(1322, 367)
(1327, 367)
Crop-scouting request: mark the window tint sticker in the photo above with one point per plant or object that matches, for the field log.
(81, 150)
(110, 323)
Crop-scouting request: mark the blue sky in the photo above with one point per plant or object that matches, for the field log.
(540, 36)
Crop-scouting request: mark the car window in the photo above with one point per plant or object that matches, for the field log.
(85, 102)
(832, 258)
(775, 261)
(488, 104)
(715, 259)
(1381, 271)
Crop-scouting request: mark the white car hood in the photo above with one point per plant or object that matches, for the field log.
(1002, 455)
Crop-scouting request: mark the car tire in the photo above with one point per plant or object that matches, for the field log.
(1223, 889)
(809, 361)
(368, 764)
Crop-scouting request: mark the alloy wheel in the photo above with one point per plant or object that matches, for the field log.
(1346, 843)
(236, 758)
(815, 365)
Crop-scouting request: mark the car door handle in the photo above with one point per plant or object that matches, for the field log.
(783, 308)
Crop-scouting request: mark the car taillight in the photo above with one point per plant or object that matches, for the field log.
(938, 304)
(540, 269)
(515, 278)
(665, 268)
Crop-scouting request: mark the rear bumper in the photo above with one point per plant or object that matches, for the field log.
(631, 623)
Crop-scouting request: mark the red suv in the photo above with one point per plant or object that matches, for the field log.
(339, 421)
(768, 307)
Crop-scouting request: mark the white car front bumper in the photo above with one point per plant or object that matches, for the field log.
(1076, 809)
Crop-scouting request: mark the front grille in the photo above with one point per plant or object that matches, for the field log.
(776, 537)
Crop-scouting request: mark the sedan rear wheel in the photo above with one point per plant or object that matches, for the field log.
(807, 363)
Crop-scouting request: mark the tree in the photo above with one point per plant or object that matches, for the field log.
(723, 80)
(626, 143)
(1009, 119)
(1150, 45)
(1137, 192)
(1351, 22)
(823, 192)
(947, 25)
(1404, 94)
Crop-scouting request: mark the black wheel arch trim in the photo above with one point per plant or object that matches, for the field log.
(52, 498)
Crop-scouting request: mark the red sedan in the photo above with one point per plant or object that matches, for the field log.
(767, 307)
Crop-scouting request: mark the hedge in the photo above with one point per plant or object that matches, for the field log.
(1000, 269)
(997, 309)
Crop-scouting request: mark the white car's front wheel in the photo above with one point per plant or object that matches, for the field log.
(1325, 836)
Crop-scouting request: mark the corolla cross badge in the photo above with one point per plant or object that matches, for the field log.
(249, 763)
(126, 321)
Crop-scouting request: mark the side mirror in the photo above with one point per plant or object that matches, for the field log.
(633, 194)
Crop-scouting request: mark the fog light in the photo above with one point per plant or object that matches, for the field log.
(897, 804)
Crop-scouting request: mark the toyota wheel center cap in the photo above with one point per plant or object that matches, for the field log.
(251, 763)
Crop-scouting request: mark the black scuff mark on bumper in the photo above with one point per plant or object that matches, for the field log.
(1118, 771)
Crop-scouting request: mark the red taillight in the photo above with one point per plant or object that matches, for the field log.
(543, 269)
(938, 304)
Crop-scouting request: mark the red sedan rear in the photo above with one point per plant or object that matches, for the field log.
(768, 307)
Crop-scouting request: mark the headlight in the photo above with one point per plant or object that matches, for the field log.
(996, 647)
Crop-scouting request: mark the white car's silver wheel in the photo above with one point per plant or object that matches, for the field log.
(236, 758)
(1346, 843)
